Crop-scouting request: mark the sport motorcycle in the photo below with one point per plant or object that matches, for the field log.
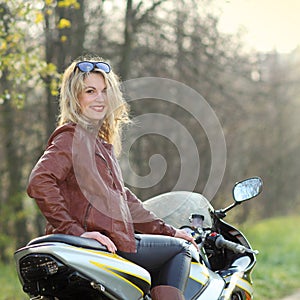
(63, 267)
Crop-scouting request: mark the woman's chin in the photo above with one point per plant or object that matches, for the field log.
(95, 118)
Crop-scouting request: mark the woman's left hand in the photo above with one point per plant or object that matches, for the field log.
(181, 233)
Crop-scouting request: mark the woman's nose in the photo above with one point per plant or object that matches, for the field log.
(100, 96)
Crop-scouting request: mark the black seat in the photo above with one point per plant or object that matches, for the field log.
(70, 240)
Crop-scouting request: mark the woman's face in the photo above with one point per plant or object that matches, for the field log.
(93, 98)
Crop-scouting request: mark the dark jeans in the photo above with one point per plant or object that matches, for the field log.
(166, 258)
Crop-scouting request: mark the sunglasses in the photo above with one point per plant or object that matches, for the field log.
(88, 66)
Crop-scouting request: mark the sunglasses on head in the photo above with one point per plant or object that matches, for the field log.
(88, 66)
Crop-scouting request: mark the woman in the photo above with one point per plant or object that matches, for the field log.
(78, 186)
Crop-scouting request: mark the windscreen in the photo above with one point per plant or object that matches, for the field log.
(175, 208)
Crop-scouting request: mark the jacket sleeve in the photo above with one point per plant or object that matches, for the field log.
(44, 184)
(144, 220)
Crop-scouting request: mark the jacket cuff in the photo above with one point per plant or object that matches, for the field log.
(76, 230)
(170, 230)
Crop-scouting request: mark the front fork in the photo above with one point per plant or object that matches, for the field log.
(238, 287)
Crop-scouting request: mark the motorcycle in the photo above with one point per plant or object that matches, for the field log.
(66, 267)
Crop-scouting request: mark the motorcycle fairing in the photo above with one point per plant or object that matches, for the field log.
(229, 232)
(199, 273)
(86, 261)
(197, 280)
(202, 282)
(236, 279)
(235, 283)
(213, 289)
(131, 279)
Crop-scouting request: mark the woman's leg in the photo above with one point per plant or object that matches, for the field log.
(166, 256)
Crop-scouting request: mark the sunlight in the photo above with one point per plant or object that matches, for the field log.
(268, 24)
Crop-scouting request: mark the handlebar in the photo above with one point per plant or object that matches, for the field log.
(221, 242)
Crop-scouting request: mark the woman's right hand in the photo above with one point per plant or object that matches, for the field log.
(103, 239)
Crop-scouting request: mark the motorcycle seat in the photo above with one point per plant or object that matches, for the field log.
(70, 240)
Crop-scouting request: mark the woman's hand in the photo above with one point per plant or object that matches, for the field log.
(181, 233)
(103, 239)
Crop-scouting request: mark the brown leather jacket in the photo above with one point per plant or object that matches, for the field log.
(78, 186)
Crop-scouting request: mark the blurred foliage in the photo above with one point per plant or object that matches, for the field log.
(11, 288)
(21, 63)
(254, 95)
(277, 271)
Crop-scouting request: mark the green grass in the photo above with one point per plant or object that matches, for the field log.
(276, 274)
(277, 271)
(10, 288)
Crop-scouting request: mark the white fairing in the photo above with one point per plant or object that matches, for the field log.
(214, 289)
(203, 283)
(102, 267)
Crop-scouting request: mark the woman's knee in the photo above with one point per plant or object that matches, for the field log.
(184, 247)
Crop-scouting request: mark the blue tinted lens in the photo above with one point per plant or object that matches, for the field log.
(103, 66)
(85, 66)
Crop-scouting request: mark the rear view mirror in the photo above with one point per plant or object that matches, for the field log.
(247, 189)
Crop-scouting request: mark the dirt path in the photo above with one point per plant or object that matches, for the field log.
(295, 296)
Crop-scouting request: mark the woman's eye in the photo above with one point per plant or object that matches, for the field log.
(89, 91)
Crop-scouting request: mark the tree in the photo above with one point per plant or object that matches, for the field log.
(160, 38)
(135, 18)
(20, 64)
(64, 30)
(182, 42)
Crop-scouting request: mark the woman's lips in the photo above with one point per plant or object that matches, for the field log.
(98, 108)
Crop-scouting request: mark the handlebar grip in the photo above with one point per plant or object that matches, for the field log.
(220, 242)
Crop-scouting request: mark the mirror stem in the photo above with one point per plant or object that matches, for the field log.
(226, 209)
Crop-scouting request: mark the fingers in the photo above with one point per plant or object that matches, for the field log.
(106, 241)
(180, 233)
(101, 238)
(191, 239)
(195, 244)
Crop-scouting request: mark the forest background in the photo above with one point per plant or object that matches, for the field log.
(254, 95)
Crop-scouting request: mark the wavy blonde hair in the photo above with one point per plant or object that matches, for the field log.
(70, 110)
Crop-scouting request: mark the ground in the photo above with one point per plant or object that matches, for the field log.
(295, 296)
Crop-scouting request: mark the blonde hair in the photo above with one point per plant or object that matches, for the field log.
(70, 111)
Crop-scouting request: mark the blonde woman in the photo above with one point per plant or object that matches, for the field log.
(78, 185)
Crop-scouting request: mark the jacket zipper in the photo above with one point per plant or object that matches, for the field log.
(108, 167)
(103, 158)
(90, 205)
(86, 216)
